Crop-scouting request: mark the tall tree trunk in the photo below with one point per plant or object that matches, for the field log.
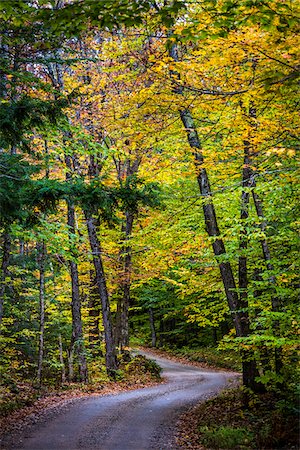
(95, 166)
(161, 332)
(77, 343)
(124, 299)
(265, 248)
(212, 228)
(4, 269)
(246, 183)
(275, 301)
(41, 260)
(250, 371)
(152, 327)
(249, 182)
(215, 336)
(129, 168)
(71, 363)
(77, 335)
(4, 56)
(240, 316)
(110, 356)
(94, 316)
(61, 360)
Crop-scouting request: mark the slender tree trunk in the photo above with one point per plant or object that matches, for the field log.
(77, 334)
(61, 360)
(92, 222)
(240, 316)
(250, 371)
(110, 356)
(71, 364)
(21, 247)
(246, 182)
(5, 57)
(77, 343)
(152, 327)
(4, 269)
(125, 315)
(249, 182)
(214, 336)
(212, 228)
(275, 301)
(129, 168)
(118, 326)
(122, 324)
(265, 247)
(94, 316)
(127, 280)
(41, 259)
(161, 332)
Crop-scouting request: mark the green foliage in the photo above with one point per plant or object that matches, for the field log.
(136, 193)
(227, 422)
(225, 437)
(74, 17)
(230, 15)
(20, 194)
(233, 14)
(8, 405)
(15, 184)
(19, 117)
(106, 201)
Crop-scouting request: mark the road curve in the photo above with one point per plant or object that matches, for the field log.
(143, 419)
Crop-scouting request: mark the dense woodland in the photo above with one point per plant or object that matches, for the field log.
(148, 181)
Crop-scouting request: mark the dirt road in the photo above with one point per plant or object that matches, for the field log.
(143, 419)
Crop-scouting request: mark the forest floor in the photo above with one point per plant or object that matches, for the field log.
(138, 419)
(225, 423)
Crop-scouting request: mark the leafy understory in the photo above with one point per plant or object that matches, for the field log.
(225, 423)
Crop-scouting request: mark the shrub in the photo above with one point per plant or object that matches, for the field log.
(140, 365)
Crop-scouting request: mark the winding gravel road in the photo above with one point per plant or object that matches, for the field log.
(143, 419)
